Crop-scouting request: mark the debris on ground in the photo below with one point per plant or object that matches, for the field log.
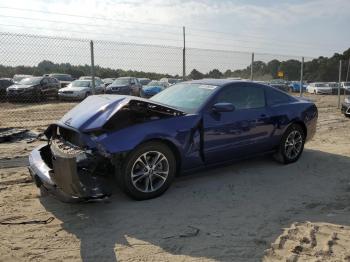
(16, 134)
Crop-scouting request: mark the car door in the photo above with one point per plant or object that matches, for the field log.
(54, 86)
(133, 86)
(98, 87)
(242, 132)
(45, 86)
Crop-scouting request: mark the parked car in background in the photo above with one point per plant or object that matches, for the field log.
(171, 81)
(65, 79)
(294, 86)
(89, 78)
(33, 89)
(144, 81)
(153, 88)
(98, 81)
(345, 107)
(145, 143)
(79, 89)
(334, 86)
(319, 88)
(279, 84)
(4, 84)
(17, 78)
(107, 81)
(124, 86)
(345, 86)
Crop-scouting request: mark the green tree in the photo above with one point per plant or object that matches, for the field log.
(195, 74)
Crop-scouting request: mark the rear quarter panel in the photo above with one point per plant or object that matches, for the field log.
(284, 115)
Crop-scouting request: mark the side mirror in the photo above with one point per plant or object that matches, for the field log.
(223, 107)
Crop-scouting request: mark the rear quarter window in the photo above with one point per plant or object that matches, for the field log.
(276, 97)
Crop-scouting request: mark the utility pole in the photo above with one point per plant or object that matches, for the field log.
(184, 55)
(92, 67)
(301, 76)
(251, 67)
(340, 63)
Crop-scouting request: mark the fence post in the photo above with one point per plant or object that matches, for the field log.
(347, 72)
(301, 76)
(251, 68)
(184, 55)
(340, 63)
(92, 67)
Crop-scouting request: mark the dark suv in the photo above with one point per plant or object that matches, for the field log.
(34, 88)
(124, 86)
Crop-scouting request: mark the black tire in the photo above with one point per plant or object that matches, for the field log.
(125, 173)
(282, 155)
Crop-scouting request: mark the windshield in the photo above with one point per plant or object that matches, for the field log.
(108, 80)
(186, 97)
(62, 77)
(81, 83)
(144, 81)
(30, 81)
(19, 78)
(346, 83)
(156, 83)
(320, 85)
(121, 81)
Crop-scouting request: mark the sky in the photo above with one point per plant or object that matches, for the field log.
(271, 29)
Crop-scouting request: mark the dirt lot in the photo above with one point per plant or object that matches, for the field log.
(232, 213)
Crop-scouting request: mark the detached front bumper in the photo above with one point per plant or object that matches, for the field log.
(68, 178)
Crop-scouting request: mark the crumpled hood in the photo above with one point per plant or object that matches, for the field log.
(151, 89)
(93, 112)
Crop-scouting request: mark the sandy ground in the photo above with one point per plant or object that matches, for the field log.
(232, 213)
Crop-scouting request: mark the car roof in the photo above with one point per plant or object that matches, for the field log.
(216, 82)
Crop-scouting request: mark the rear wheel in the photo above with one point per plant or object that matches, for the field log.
(148, 171)
(291, 145)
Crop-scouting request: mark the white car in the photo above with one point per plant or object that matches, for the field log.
(79, 89)
(319, 88)
(345, 86)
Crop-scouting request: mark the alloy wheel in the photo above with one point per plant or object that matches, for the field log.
(293, 144)
(150, 171)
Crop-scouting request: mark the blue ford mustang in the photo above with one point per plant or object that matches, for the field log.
(145, 143)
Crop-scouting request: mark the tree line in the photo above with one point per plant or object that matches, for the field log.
(319, 69)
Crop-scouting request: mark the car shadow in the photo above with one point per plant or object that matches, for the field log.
(229, 213)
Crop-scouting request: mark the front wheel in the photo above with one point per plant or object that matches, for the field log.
(148, 171)
(291, 145)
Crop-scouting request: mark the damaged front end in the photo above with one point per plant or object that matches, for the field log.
(84, 147)
(68, 169)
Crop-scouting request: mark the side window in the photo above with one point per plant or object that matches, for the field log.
(243, 96)
(274, 97)
(132, 81)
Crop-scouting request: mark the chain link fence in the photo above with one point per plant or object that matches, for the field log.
(34, 104)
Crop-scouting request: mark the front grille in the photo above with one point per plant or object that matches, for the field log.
(67, 92)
